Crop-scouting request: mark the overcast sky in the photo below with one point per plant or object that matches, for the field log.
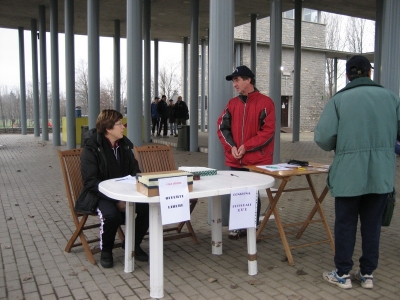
(9, 57)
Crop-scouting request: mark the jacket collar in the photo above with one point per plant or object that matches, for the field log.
(362, 81)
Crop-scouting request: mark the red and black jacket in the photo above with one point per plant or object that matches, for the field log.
(250, 123)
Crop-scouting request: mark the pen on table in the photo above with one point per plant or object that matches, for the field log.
(234, 175)
(120, 179)
(271, 167)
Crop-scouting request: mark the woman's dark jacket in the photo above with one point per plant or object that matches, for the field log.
(98, 163)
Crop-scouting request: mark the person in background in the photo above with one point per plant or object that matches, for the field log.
(162, 109)
(171, 118)
(107, 154)
(360, 123)
(246, 128)
(155, 118)
(181, 111)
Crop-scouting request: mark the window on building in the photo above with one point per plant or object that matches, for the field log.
(309, 15)
(289, 14)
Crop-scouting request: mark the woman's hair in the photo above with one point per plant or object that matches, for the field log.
(107, 119)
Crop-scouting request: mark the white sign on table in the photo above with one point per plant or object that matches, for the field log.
(243, 208)
(174, 199)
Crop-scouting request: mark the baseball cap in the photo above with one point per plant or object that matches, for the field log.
(240, 71)
(170, 100)
(361, 63)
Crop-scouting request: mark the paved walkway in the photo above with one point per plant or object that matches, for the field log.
(35, 224)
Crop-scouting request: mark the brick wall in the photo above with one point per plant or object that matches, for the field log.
(312, 66)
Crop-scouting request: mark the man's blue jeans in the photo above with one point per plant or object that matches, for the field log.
(370, 208)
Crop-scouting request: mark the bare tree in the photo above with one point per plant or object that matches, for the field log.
(355, 32)
(106, 95)
(334, 42)
(169, 80)
(82, 86)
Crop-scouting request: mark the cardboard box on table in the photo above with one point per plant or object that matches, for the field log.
(147, 183)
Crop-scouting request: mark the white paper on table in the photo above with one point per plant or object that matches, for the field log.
(243, 208)
(127, 179)
(274, 168)
(174, 199)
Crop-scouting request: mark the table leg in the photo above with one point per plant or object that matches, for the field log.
(283, 237)
(216, 225)
(156, 251)
(272, 204)
(317, 207)
(252, 251)
(129, 237)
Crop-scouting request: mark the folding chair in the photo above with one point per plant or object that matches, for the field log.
(71, 170)
(158, 158)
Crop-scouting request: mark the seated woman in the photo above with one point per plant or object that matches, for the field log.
(107, 154)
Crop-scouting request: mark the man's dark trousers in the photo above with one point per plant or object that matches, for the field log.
(370, 208)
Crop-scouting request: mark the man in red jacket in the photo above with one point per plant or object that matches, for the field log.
(246, 127)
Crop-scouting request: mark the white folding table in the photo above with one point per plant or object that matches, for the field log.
(208, 186)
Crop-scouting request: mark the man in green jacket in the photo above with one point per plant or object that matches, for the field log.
(361, 124)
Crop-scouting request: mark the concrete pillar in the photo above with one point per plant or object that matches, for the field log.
(35, 79)
(93, 61)
(43, 73)
(194, 76)
(222, 20)
(238, 57)
(22, 86)
(134, 74)
(117, 65)
(253, 44)
(203, 84)
(70, 73)
(55, 79)
(275, 70)
(297, 71)
(155, 68)
(185, 69)
(147, 69)
(390, 55)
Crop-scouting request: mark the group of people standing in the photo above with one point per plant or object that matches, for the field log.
(163, 113)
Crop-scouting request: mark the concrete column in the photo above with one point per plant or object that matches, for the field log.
(238, 57)
(93, 61)
(222, 20)
(55, 80)
(253, 44)
(194, 76)
(155, 68)
(70, 73)
(185, 69)
(35, 79)
(297, 71)
(147, 69)
(22, 79)
(335, 64)
(43, 73)
(390, 55)
(378, 40)
(275, 70)
(117, 65)
(134, 74)
(203, 85)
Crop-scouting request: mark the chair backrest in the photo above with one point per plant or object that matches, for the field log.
(71, 169)
(154, 158)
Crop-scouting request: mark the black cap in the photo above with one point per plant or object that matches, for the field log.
(361, 63)
(240, 71)
(171, 100)
(157, 98)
